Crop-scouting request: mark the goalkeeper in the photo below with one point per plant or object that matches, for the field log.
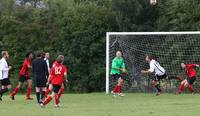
(160, 73)
(117, 69)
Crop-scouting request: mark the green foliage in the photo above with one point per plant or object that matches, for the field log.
(76, 30)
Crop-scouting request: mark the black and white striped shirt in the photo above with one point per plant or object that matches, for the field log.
(155, 67)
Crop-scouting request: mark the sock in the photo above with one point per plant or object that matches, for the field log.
(42, 95)
(16, 90)
(56, 99)
(60, 92)
(115, 90)
(175, 77)
(189, 87)
(47, 92)
(119, 89)
(28, 92)
(47, 100)
(180, 88)
(158, 88)
(2, 91)
(38, 96)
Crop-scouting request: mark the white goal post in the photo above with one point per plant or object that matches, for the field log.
(109, 34)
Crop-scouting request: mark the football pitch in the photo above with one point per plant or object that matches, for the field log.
(99, 104)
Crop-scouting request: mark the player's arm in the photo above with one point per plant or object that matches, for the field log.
(46, 69)
(28, 64)
(65, 77)
(149, 71)
(196, 65)
(3, 68)
(123, 69)
(50, 76)
(48, 80)
(114, 66)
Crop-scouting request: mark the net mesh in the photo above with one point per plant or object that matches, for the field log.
(169, 50)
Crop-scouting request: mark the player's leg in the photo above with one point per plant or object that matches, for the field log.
(189, 84)
(157, 86)
(120, 81)
(37, 90)
(6, 85)
(17, 88)
(29, 89)
(48, 90)
(181, 86)
(61, 91)
(56, 88)
(156, 83)
(48, 99)
(43, 83)
(43, 90)
(178, 78)
(116, 89)
(1, 92)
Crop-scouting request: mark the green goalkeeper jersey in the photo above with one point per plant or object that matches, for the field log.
(117, 62)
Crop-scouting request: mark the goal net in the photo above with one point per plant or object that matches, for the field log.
(169, 48)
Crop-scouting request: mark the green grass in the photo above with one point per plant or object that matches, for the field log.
(99, 104)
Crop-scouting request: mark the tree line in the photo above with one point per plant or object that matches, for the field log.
(77, 29)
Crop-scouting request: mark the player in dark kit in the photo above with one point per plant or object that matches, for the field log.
(40, 73)
(191, 77)
(57, 76)
(24, 75)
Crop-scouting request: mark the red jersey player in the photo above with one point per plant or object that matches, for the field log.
(57, 76)
(50, 86)
(24, 75)
(191, 77)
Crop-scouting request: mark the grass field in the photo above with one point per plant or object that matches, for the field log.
(99, 104)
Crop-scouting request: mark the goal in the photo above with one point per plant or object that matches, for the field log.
(169, 48)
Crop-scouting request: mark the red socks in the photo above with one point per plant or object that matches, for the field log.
(117, 89)
(180, 88)
(16, 90)
(56, 99)
(28, 92)
(47, 100)
(47, 92)
(189, 87)
(60, 92)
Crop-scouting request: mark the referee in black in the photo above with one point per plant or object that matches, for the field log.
(40, 72)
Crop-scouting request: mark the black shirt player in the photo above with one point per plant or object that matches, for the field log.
(40, 72)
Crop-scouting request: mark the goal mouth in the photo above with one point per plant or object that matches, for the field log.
(169, 48)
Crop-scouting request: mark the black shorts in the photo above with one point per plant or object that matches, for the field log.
(117, 76)
(5, 82)
(158, 78)
(56, 88)
(191, 80)
(24, 78)
(40, 82)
